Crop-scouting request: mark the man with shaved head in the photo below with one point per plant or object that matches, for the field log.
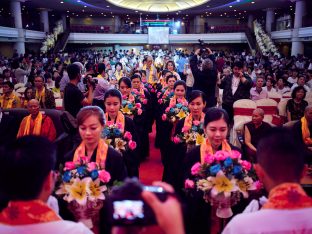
(254, 131)
(36, 123)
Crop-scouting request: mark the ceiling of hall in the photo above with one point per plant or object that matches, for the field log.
(158, 5)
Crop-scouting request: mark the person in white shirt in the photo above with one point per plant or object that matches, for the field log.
(258, 92)
(292, 79)
(300, 82)
(281, 88)
(32, 158)
(288, 208)
(269, 85)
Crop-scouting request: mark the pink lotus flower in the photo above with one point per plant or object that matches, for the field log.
(209, 158)
(104, 176)
(185, 129)
(196, 122)
(220, 155)
(145, 101)
(124, 97)
(132, 145)
(119, 125)
(246, 165)
(131, 98)
(159, 101)
(167, 109)
(164, 117)
(176, 140)
(189, 184)
(138, 105)
(142, 96)
(235, 154)
(171, 105)
(195, 168)
(69, 166)
(128, 136)
(92, 166)
(140, 111)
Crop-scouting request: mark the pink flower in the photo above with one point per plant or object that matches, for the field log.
(164, 117)
(140, 111)
(195, 168)
(142, 96)
(91, 166)
(138, 105)
(196, 122)
(176, 140)
(69, 166)
(128, 136)
(179, 100)
(167, 109)
(159, 101)
(209, 159)
(185, 129)
(258, 185)
(220, 155)
(185, 103)
(119, 125)
(246, 165)
(171, 105)
(189, 184)
(84, 159)
(108, 123)
(124, 97)
(132, 145)
(145, 101)
(235, 154)
(104, 176)
(131, 98)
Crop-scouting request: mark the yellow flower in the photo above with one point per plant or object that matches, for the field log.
(95, 191)
(126, 110)
(108, 141)
(245, 185)
(204, 185)
(120, 144)
(223, 185)
(181, 114)
(199, 139)
(78, 190)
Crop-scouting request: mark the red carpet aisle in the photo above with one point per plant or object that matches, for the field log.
(151, 170)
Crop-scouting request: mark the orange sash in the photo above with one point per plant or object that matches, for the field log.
(173, 100)
(101, 152)
(119, 119)
(10, 101)
(188, 122)
(40, 96)
(27, 212)
(288, 196)
(150, 75)
(37, 126)
(206, 148)
(305, 131)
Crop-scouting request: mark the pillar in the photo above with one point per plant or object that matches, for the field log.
(64, 20)
(198, 24)
(297, 45)
(117, 23)
(269, 19)
(44, 19)
(250, 21)
(16, 12)
(182, 28)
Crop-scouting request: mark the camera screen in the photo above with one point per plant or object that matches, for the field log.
(128, 209)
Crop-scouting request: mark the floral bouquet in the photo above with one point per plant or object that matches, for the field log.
(139, 96)
(176, 112)
(83, 185)
(114, 136)
(152, 88)
(192, 136)
(131, 107)
(164, 96)
(221, 178)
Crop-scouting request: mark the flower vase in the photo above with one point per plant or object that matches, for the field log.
(223, 204)
(87, 214)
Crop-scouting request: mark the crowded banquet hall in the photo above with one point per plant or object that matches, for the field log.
(155, 117)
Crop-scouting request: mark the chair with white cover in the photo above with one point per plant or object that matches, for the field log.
(269, 106)
(286, 95)
(18, 85)
(59, 103)
(275, 96)
(309, 100)
(282, 107)
(242, 114)
(308, 94)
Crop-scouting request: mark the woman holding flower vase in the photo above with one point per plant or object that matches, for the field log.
(216, 126)
(189, 132)
(175, 110)
(119, 131)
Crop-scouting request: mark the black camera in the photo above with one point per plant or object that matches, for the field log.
(90, 80)
(203, 51)
(127, 207)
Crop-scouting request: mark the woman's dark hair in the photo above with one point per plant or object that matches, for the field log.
(195, 94)
(173, 64)
(298, 88)
(118, 63)
(135, 76)
(101, 68)
(88, 111)
(32, 95)
(165, 71)
(214, 114)
(171, 76)
(113, 93)
(73, 70)
(143, 72)
(179, 82)
(126, 80)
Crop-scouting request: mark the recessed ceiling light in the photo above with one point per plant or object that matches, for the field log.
(136, 11)
(84, 6)
(252, 2)
(67, 11)
(230, 6)
(82, 10)
(62, 2)
(208, 6)
(78, 1)
(90, 15)
(234, 10)
(107, 6)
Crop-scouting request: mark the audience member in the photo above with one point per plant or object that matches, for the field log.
(296, 105)
(258, 92)
(9, 99)
(44, 95)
